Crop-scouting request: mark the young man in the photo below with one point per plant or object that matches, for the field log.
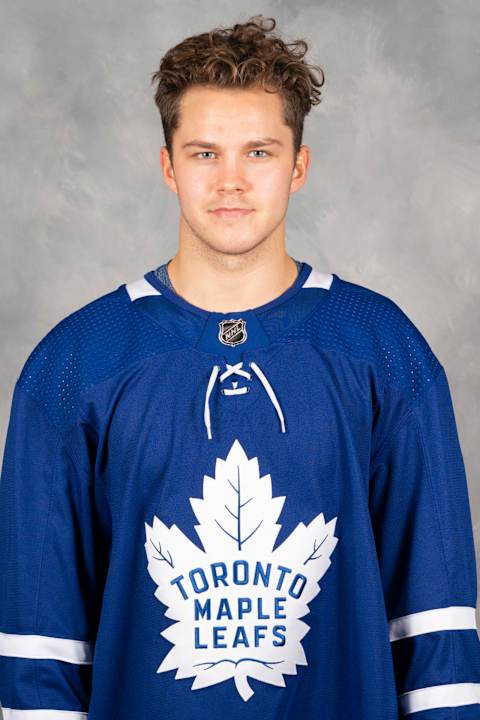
(234, 487)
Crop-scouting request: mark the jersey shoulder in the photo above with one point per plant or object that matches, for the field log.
(88, 346)
(365, 324)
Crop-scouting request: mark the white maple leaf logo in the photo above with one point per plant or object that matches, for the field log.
(237, 603)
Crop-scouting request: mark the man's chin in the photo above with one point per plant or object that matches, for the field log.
(233, 245)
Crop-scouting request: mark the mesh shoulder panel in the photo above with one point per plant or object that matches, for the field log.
(88, 346)
(365, 324)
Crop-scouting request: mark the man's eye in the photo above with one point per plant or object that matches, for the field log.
(209, 152)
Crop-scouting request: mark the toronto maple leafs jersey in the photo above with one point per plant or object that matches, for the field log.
(260, 514)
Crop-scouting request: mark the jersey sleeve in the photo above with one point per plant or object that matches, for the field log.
(54, 552)
(421, 519)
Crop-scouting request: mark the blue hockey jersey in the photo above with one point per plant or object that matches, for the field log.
(260, 514)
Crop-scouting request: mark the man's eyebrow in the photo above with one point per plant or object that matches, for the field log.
(250, 144)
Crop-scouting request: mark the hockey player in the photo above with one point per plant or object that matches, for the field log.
(234, 487)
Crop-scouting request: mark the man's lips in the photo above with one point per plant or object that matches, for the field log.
(231, 212)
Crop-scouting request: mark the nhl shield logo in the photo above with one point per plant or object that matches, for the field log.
(232, 331)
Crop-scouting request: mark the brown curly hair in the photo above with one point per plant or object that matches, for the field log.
(246, 55)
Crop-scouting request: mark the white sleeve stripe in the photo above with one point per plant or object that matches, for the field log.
(42, 647)
(11, 714)
(447, 618)
(440, 696)
(140, 288)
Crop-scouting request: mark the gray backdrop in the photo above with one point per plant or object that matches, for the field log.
(392, 201)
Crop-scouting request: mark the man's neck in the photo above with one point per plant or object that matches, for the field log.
(163, 275)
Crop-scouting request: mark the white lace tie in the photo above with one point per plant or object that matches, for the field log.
(237, 368)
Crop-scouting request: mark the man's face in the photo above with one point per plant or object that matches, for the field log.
(224, 156)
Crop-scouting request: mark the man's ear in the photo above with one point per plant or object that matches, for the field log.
(167, 169)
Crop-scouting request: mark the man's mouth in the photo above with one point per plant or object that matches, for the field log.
(231, 212)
